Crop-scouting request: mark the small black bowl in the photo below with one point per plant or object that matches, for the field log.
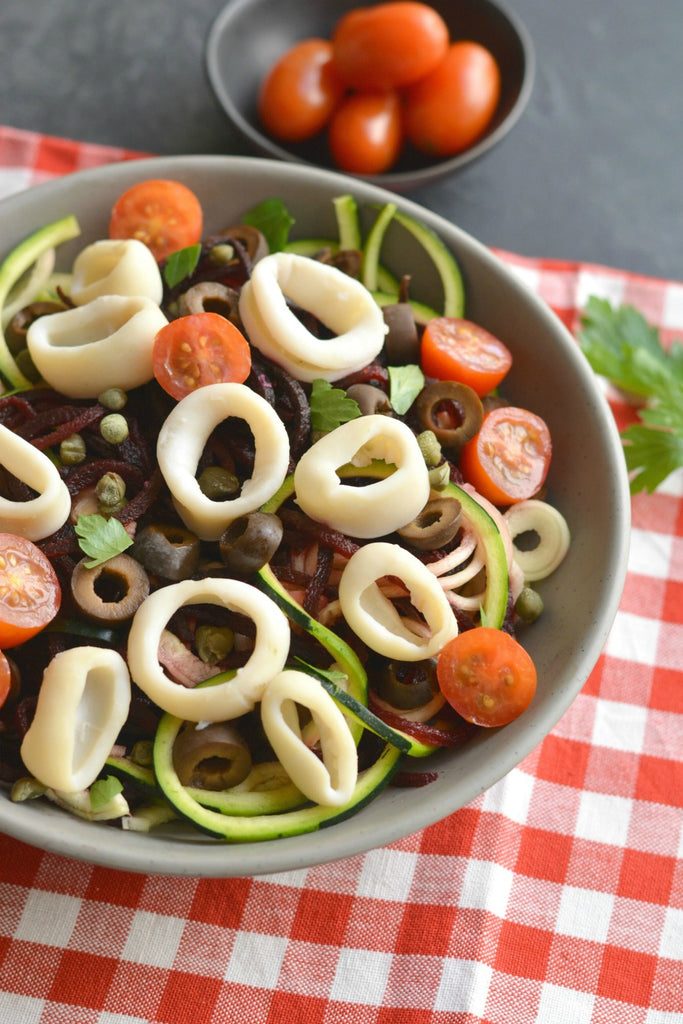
(248, 36)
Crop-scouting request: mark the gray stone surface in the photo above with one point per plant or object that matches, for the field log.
(591, 172)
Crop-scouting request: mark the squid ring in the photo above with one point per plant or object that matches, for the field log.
(329, 782)
(373, 617)
(341, 302)
(41, 516)
(550, 526)
(82, 706)
(224, 700)
(378, 508)
(181, 441)
(114, 266)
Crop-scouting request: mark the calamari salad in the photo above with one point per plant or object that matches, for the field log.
(269, 528)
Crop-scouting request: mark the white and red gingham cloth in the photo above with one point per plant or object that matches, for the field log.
(554, 898)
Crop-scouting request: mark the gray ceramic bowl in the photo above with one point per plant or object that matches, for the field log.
(587, 481)
(248, 36)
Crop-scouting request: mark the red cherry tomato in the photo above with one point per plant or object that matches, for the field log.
(486, 676)
(389, 45)
(5, 679)
(449, 109)
(508, 460)
(300, 92)
(30, 594)
(454, 349)
(365, 134)
(165, 215)
(200, 349)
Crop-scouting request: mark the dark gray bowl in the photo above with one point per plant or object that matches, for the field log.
(587, 481)
(248, 36)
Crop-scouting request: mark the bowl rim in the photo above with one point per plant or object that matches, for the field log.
(141, 853)
(398, 180)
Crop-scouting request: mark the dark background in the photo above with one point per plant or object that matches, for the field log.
(591, 172)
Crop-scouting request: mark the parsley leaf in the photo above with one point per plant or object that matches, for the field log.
(180, 264)
(405, 384)
(622, 347)
(101, 538)
(330, 407)
(273, 220)
(104, 790)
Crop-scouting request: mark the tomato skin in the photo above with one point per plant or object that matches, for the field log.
(508, 460)
(449, 109)
(389, 45)
(202, 348)
(366, 134)
(30, 594)
(300, 91)
(165, 215)
(5, 679)
(457, 349)
(486, 676)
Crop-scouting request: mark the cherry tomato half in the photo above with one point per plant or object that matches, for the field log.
(508, 460)
(389, 45)
(203, 348)
(366, 134)
(486, 676)
(5, 679)
(30, 594)
(300, 91)
(455, 349)
(165, 215)
(449, 109)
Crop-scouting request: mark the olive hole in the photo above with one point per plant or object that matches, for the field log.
(528, 540)
(110, 587)
(449, 415)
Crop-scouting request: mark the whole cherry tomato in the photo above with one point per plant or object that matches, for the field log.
(366, 133)
(508, 459)
(389, 45)
(165, 215)
(300, 92)
(449, 109)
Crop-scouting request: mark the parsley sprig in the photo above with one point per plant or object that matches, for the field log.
(101, 538)
(622, 347)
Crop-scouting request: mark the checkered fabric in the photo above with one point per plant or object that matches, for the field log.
(554, 898)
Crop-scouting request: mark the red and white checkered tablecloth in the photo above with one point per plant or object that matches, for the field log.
(554, 898)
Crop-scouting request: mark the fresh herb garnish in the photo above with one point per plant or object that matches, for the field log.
(330, 407)
(101, 538)
(624, 349)
(273, 220)
(180, 264)
(104, 790)
(405, 384)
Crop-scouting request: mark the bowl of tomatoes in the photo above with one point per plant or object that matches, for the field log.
(145, 538)
(401, 93)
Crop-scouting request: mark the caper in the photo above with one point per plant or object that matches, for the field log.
(222, 253)
(439, 476)
(111, 492)
(213, 642)
(114, 428)
(72, 450)
(218, 483)
(430, 447)
(27, 366)
(113, 398)
(529, 605)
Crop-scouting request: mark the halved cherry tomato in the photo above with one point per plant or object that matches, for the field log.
(366, 133)
(203, 348)
(5, 679)
(30, 594)
(449, 109)
(508, 460)
(389, 45)
(165, 215)
(300, 91)
(486, 676)
(455, 349)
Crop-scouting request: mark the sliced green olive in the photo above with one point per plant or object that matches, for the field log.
(453, 411)
(112, 591)
(406, 686)
(250, 541)
(213, 757)
(435, 526)
(370, 400)
(168, 551)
